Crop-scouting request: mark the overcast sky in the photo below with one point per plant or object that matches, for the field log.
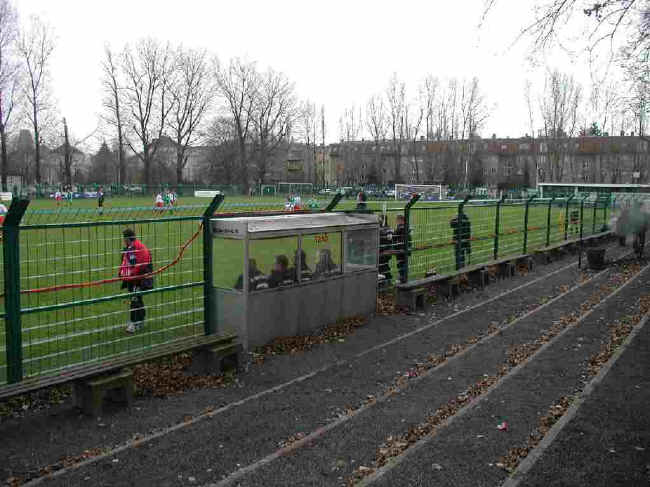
(338, 53)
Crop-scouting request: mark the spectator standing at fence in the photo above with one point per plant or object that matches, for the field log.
(385, 247)
(402, 245)
(135, 273)
(462, 235)
(100, 200)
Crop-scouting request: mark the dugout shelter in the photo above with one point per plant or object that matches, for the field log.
(305, 271)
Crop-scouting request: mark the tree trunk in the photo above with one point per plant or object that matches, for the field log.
(146, 159)
(5, 162)
(179, 166)
(120, 155)
(67, 156)
(37, 150)
(243, 166)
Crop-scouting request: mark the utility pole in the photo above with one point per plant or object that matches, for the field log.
(67, 156)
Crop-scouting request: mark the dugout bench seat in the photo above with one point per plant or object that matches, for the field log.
(113, 378)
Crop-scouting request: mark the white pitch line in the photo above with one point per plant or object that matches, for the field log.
(284, 385)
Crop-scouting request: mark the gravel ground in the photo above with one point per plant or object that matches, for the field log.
(466, 452)
(607, 443)
(43, 438)
(343, 449)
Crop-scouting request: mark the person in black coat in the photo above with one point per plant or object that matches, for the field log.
(402, 244)
(385, 245)
(462, 234)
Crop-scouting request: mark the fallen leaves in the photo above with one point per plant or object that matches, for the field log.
(169, 376)
(295, 344)
(516, 355)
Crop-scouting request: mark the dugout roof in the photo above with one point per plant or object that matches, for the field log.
(291, 224)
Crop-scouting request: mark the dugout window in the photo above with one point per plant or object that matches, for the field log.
(228, 263)
(361, 249)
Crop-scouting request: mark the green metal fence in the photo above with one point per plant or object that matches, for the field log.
(497, 229)
(62, 307)
(62, 303)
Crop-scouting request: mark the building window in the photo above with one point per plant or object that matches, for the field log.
(585, 164)
(493, 170)
(585, 178)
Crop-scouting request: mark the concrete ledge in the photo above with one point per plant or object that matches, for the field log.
(90, 394)
(413, 299)
(217, 359)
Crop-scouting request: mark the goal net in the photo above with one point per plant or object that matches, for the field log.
(427, 192)
(296, 188)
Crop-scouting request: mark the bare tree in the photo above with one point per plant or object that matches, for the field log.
(9, 79)
(237, 84)
(638, 98)
(609, 20)
(396, 99)
(273, 111)
(35, 48)
(559, 111)
(307, 127)
(414, 114)
(147, 71)
(377, 126)
(222, 138)
(192, 91)
(350, 126)
(113, 104)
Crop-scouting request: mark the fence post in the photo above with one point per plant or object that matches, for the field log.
(334, 202)
(526, 222)
(210, 320)
(593, 226)
(548, 221)
(566, 216)
(407, 243)
(458, 243)
(11, 257)
(496, 226)
(582, 208)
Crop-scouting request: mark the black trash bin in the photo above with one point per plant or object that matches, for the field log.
(596, 258)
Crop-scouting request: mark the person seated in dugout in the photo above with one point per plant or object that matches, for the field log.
(256, 279)
(325, 266)
(281, 275)
(305, 271)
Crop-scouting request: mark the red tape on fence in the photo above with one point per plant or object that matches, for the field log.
(117, 279)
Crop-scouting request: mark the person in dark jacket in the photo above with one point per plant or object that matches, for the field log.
(385, 246)
(462, 234)
(305, 271)
(135, 271)
(256, 280)
(402, 244)
(281, 274)
(325, 265)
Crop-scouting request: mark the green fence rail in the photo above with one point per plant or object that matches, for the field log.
(52, 323)
(62, 304)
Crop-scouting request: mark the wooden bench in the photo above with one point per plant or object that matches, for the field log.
(113, 378)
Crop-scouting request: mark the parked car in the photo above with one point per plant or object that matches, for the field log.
(325, 191)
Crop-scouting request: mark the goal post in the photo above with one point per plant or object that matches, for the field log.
(428, 192)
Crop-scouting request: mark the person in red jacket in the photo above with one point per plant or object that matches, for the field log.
(136, 265)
